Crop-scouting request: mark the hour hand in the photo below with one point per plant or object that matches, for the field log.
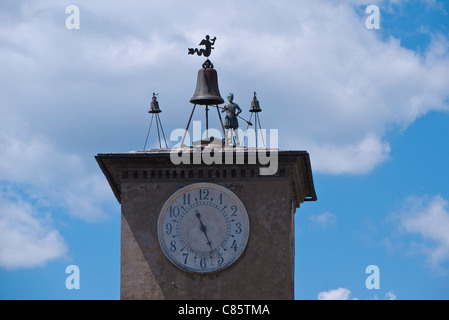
(202, 227)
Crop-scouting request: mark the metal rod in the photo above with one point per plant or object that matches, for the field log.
(148, 134)
(207, 122)
(247, 128)
(260, 128)
(158, 134)
(188, 124)
(221, 121)
(257, 133)
(162, 129)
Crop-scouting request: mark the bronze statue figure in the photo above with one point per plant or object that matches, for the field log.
(231, 122)
(207, 43)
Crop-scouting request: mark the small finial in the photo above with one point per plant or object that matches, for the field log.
(255, 107)
(154, 104)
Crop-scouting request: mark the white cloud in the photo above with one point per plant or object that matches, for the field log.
(349, 158)
(390, 295)
(54, 179)
(41, 181)
(26, 238)
(325, 220)
(333, 87)
(428, 218)
(345, 294)
(335, 294)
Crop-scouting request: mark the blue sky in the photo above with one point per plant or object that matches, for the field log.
(370, 106)
(364, 231)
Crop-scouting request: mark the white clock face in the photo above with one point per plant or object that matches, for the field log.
(203, 228)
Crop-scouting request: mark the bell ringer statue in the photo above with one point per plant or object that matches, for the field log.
(231, 122)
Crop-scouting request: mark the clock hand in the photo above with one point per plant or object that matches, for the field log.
(203, 228)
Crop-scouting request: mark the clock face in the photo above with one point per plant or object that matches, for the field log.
(203, 228)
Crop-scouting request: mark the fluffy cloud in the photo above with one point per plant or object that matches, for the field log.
(428, 219)
(336, 294)
(38, 182)
(331, 86)
(52, 178)
(324, 220)
(345, 294)
(26, 238)
(358, 158)
(390, 295)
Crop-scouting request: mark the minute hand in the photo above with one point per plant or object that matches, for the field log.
(203, 228)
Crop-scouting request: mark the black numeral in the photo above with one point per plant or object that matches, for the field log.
(186, 199)
(173, 246)
(203, 263)
(185, 255)
(204, 194)
(239, 228)
(174, 211)
(168, 228)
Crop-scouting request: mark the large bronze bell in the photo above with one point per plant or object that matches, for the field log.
(207, 92)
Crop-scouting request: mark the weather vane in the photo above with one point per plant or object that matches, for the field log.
(207, 43)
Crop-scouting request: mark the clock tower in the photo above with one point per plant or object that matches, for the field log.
(201, 229)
